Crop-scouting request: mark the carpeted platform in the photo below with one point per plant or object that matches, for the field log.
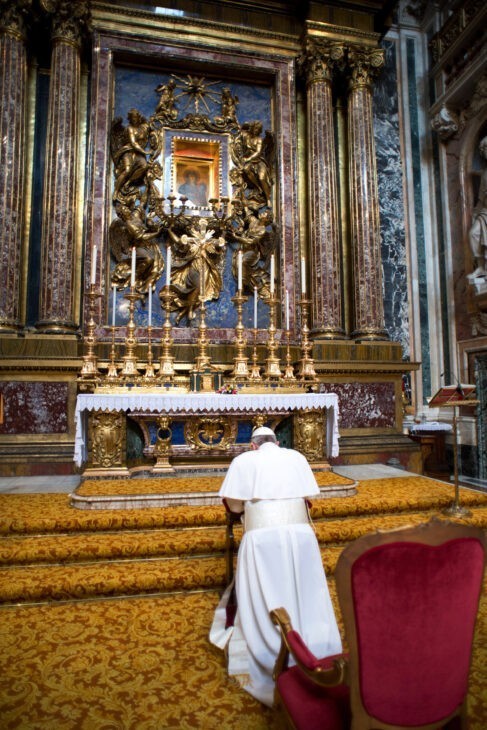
(201, 490)
(179, 485)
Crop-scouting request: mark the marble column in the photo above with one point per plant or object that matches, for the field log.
(368, 310)
(324, 247)
(13, 101)
(59, 212)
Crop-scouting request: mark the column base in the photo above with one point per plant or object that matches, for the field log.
(56, 327)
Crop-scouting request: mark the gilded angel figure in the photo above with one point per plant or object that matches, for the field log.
(197, 267)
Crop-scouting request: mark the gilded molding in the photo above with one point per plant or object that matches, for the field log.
(107, 17)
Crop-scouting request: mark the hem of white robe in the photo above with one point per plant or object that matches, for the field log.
(232, 641)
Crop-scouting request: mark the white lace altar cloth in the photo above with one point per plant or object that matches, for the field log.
(181, 403)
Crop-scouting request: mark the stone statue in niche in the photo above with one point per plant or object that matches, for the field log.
(478, 230)
(129, 230)
(196, 273)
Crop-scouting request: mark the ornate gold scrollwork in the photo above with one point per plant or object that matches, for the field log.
(144, 216)
(211, 433)
(309, 434)
(107, 439)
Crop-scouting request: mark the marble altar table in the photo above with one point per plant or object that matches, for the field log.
(196, 429)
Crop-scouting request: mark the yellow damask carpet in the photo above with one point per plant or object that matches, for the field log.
(139, 664)
(121, 662)
(178, 485)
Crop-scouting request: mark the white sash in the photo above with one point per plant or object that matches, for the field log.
(275, 513)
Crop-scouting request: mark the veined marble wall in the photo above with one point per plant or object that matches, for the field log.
(391, 206)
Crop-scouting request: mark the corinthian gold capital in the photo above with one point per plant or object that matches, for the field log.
(364, 65)
(319, 59)
(13, 17)
(70, 20)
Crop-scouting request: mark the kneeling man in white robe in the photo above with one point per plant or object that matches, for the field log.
(279, 564)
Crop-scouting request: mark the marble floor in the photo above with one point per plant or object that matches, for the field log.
(66, 484)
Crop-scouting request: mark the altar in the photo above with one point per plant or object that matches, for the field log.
(196, 430)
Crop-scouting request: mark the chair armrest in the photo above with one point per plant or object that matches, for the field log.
(326, 672)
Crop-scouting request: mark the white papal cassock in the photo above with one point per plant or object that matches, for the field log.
(279, 564)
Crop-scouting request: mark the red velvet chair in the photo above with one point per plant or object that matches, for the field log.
(409, 600)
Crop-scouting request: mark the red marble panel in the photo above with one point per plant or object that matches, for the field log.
(364, 405)
(35, 407)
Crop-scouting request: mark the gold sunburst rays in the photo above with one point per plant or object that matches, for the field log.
(196, 91)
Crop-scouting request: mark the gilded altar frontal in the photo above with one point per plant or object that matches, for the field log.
(279, 201)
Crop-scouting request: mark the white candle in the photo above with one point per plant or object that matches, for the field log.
(239, 269)
(114, 303)
(132, 271)
(287, 309)
(93, 266)
(168, 266)
(303, 275)
(149, 315)
(255, 307)
(273, 273)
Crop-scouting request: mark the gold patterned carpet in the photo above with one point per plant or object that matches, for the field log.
(136, 655)
(174, 485)
(138, 664)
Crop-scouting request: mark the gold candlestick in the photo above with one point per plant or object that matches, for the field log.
(272, 369)
(240, 370)
(149, 372)
(112, 367)
(203, 359)
(89, 368)
(166, 361)
(255, 369)
(129, 366)
(289, 370)
(306, 368)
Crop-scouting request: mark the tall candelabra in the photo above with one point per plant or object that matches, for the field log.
(166, 361)
(240, 370)
(306, 368)
(129, 367)
(272, 369)
(90, 366)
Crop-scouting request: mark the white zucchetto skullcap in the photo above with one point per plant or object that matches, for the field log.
(263, 431)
